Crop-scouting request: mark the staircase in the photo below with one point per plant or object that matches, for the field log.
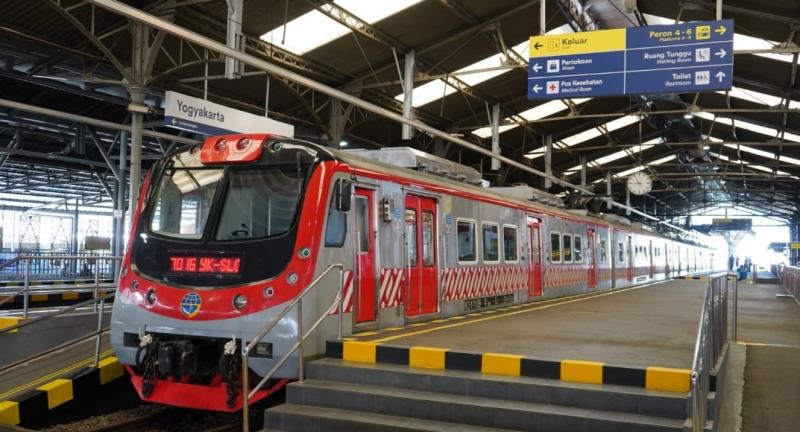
(347, 396)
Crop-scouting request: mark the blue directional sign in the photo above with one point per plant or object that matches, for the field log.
(688, 57)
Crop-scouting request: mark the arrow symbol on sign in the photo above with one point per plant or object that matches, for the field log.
(537, 88)
(721, 30)
(721, 53)
(720, 75)
(537, 46)
(537, 67)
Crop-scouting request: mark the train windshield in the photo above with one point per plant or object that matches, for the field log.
(254, 202)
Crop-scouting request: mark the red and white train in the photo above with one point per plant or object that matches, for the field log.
(227, 233)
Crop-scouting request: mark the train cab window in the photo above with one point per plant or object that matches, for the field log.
(428, 240)
(555, 247)
(184, 200)
(336, 226)
(621, 250)
(259, 204)
(510, 244)
(411, 236)
(467, 248)
(578, 246)
(491, 243)
(567, 250)
(603, 251)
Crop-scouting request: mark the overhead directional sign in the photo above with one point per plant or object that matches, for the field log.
(688, 57)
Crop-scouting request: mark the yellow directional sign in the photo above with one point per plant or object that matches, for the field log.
(795, 245)
(577, 43)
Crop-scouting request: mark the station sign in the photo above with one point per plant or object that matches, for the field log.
(794, 245)
(207, 118)
(688, 57)
(731, 224)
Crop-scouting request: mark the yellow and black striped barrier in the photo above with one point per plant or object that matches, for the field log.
(592, 372)
(80, 384)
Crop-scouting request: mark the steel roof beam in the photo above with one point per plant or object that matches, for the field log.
(180, 32)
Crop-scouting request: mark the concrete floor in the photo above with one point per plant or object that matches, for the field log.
(771, 389)
(763, 318)
(654, 325)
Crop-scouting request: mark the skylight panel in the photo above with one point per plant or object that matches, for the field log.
(640, 168)
(486, 132)
(587, 134)
(763, 153)
(749, 165)
(744, 124)
(427, 93)
(536, 113)
(314, 29)
(760, 98)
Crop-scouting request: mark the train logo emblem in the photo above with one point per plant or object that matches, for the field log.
(190, 304)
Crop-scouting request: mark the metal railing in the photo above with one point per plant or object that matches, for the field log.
(26, 262)
(789, 278)
(302, 335)
(712, 335)
(53, 266)
(97, 334)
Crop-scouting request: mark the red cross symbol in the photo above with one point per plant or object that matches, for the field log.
(552, 87)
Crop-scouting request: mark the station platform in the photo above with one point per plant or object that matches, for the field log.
(651, 325)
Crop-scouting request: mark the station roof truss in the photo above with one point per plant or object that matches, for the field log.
(703, 150)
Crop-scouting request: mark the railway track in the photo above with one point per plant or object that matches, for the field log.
(159, 419)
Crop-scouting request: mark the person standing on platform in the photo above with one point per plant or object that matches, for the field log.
(730, 263)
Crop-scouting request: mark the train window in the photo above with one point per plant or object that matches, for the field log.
(466, 241)
(567, 249)
(184, 200)
(510, 243)
(336, 226)
(491, 243)
(428, 245)
(621, 250)
(362, 223)
(555, 247)
(260, 203)
(578, 245)
(411, 236)
(603, 251)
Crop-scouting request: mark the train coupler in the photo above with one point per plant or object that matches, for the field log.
(230, 367)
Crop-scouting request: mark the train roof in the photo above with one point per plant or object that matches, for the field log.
(361, 159)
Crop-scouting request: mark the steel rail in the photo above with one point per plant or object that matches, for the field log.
(190, 36)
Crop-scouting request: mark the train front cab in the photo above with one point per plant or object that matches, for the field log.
(223, 237)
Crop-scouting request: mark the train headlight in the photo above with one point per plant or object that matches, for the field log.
(151, 296)
(292, 278)
(240, 301)
(243, 144)
(135, 285)
(220, 145)
(269, 292)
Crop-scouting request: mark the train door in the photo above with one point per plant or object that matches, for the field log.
(422, 286)
(667, 263)
(630, 259)
(652, 260)
(365, 256)
(535, 273)
(591, 259)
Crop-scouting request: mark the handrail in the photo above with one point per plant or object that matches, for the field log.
(9, 262)
(26, 259)
(712, 335)
(296, 347)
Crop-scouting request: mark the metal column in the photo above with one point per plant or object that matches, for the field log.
(548, 161)
(137, 102)
(609, 179)
(408, 93)
(119, 212)
(496, 135)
